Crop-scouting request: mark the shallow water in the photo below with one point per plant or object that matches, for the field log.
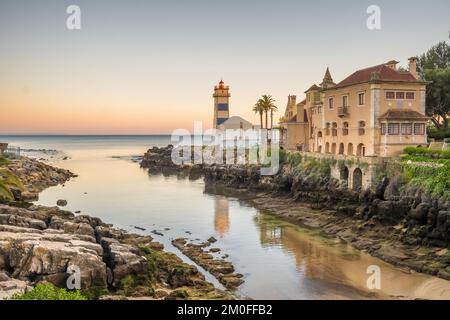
(278, 260)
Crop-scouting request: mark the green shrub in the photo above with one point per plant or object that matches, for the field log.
(47, 291)
(4, 161)
(434, 133)
(429, 153)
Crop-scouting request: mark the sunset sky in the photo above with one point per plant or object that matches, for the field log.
(143, 67)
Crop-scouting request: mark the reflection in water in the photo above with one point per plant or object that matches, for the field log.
(340, 265)
(221, 215)
(278, 260)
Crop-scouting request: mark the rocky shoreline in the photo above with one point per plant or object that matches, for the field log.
(40, 244)
(398, 223)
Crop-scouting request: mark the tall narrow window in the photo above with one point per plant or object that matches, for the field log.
(334, 129)
(383, 129)
(345, 129)
(345, 101)
(331, 103)
(362, 128)
(361, 99)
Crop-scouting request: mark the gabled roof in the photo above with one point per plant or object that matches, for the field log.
(403, 114)
(236, 120)
(314, 87)
(380, 72)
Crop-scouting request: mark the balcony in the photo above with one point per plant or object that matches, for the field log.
(343, 111)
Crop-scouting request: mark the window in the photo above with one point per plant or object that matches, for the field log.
(410, 96)
(400, 95)
(362, 128)
(383, 128)
(407, 129)
(345, 129)
(345, 101)
(361, 99)
(390, 95)
(419, 129)
(331, 103)
(393, 128)
(334, 130)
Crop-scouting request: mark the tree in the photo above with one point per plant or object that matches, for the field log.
(267, 103)
(258, 108)
(434, 67)
(438, 96)
(272, 110)
(438, 57)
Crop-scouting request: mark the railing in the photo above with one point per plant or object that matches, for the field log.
(343, 111)
(12, 152)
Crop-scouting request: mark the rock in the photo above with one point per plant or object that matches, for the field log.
(61, 203)
(212, 240)
(45, 255)
(10, 287)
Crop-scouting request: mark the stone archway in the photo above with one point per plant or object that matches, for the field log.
(357, 179)
(344, 175)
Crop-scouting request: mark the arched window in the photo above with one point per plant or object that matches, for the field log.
(319, 134)
(345, 129)
(341, 148)
(334, 129)
(361, 150)
(350, 149)
(327, 129)
(333, 148)
(362, 128)
(327, 147)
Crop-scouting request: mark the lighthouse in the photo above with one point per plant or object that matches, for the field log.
(221, 104)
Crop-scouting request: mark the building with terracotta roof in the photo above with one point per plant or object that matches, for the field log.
(376, 111)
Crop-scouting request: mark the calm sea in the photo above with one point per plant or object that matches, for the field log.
(278, 260)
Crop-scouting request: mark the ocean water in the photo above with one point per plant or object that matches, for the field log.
(278, 260)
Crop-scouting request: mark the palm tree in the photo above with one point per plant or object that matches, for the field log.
(272, 110)
(258, 108)
(267, 104)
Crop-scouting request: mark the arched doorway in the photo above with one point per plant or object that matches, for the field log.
(344, 175)
(327, 147)
(341, 148)
(361, 150)
(333, 148)
(350, 149)
(357, 179)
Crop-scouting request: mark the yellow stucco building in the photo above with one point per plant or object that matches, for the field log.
(374, 112)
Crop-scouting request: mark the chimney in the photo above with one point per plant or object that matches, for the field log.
(392, 64)
(413, 67)
(293, 100)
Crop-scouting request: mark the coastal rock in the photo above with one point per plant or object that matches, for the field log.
(61, 203)
(10, 287)
(43, 255)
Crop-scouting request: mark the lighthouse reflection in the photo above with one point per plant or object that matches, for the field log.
(221, 215)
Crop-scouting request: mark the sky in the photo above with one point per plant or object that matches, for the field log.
(149, 67)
